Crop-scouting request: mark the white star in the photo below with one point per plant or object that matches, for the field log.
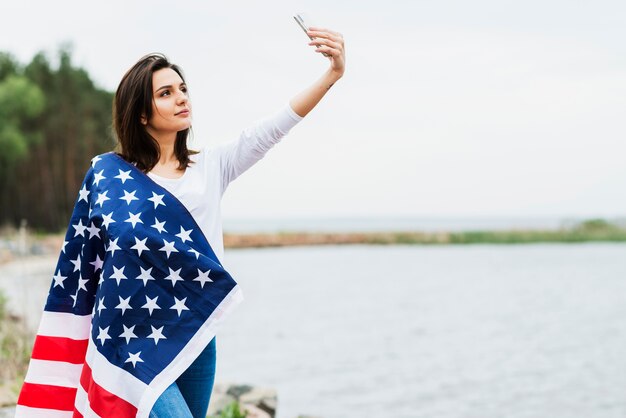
(124, 175)
(118, 274)
(94, 231)
(145, 275)
(168, 247)
(81, 284)
(134, 358)
(157, 334)
(58, 279)
(99, 177)
(107, 219)
(113, 246)
(97, 263)
(174, 276)
(76, 263)
(94, 160)
(101, 305)
(133, 218)
(63, 247)
(151, 304)
(157, 199)
(75, 298)
(103, 335)
(179, 305)
(203, 277)
(129, 197)
(83, 193)
(140, 245)
(159, 226)
(128, 333)
(80, 228)
(184, 235)
(196, 253)
(102, 197)
(124, 304)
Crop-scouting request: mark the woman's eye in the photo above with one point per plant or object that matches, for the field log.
(165, 93)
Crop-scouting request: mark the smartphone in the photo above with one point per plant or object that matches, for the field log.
(305, 22)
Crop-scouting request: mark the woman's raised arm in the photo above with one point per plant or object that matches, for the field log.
(330, 43)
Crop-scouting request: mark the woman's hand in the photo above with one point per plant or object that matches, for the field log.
(331, 43)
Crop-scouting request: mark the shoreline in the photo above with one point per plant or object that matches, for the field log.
(18, 245)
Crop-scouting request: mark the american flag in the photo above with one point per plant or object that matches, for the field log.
(135, 297)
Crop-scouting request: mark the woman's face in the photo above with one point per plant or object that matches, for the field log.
(171, 108)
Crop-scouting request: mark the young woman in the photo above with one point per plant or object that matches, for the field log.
(139, 290)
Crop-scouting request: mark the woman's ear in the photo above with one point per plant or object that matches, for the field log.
(143, 120)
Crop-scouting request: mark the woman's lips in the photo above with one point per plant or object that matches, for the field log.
(183, 112)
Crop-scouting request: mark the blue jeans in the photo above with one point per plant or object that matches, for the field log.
(189, 395)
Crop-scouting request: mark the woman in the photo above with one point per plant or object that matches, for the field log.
(139, 291)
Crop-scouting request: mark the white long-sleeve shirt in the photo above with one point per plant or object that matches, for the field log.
(201, 187)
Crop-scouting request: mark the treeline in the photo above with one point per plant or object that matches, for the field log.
(53, 120)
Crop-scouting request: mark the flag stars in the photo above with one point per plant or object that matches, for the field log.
(80, 228)
(123, 176)
(133, 218)
(103, 335)
(113, 246)
(129, 197)
(159, 226)
(58, 279)
(98, 177)
(157, 334)
(151, 304)
(134, 358)
(83, 193)
(102, 197)
(140, 245)
(76, 263)
(179, 305)
(203, 277)
(81, 284)
(107, 220)
(94, 231)
(95, 160)
(63, 246)
(124, 305)
(168, 247)
(128, 333)
(101, 306)
(174, 276)
(145, 275)
(184, 235)
(194, 252)
(157, 199)
(118, 274)
(97, 263)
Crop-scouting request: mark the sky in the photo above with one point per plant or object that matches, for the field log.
(447, 109)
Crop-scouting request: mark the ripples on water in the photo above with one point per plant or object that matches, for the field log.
(437, 332)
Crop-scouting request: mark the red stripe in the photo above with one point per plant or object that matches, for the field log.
(47, 397)
(103, 402)
(77, 414)
(60, 349)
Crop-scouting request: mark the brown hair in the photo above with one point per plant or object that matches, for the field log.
(133, 99)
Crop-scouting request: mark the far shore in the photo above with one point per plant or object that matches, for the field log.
(595, 230)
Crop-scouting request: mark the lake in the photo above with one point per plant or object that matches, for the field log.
(478, 331)
(438, 332)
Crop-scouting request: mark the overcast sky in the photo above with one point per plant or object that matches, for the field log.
(447, 108)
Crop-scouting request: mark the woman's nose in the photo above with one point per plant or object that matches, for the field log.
(182, 97)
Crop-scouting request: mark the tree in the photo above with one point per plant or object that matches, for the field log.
(58, 121)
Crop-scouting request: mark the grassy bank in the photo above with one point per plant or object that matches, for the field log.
(15, 347)
(596, 230)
